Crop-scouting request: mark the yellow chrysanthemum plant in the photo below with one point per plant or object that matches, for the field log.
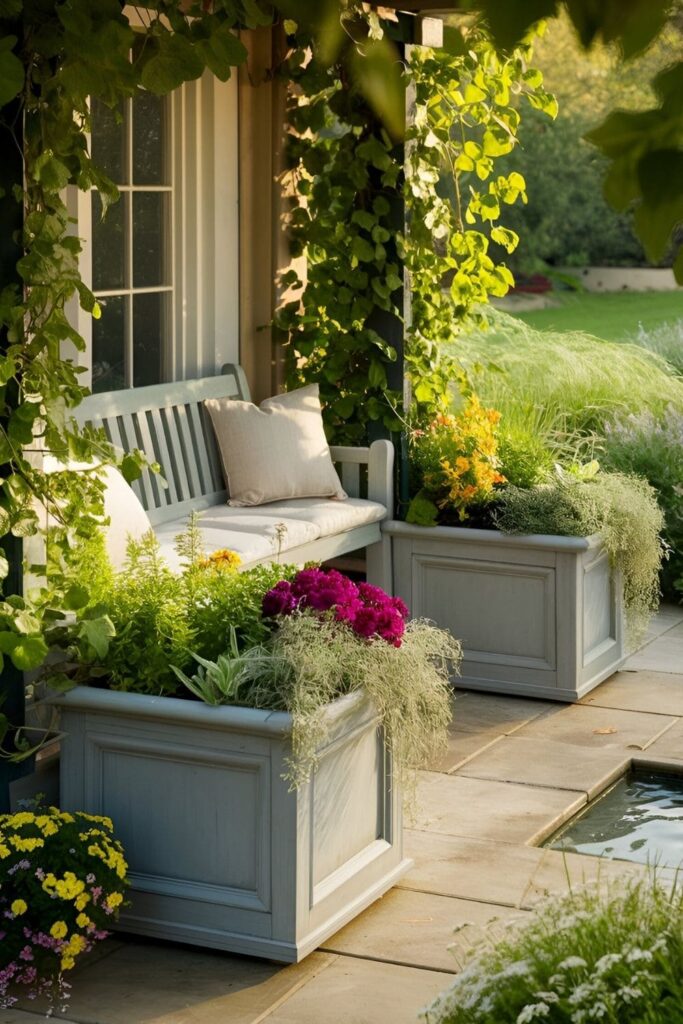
(63, 878)
(456, 465)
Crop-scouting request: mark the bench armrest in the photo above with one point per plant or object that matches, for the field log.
(379, 458)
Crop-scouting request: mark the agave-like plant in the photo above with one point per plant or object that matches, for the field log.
(219, 682)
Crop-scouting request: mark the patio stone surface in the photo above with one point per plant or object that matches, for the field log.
(462, 747)
(589, 726)
(354, 991)
(417, 928)
(658, 692)
(664, 654)
(478, 808)
(670, 745)
(548, 763)
(515, 769)
(162, 983)
(489, 714)
(472, 869)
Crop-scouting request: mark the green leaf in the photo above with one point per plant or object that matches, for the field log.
(175, 62)
(76, 597)
(11, 71)
(51, 172)
(29, 653)
(97, 633)
(377, 72)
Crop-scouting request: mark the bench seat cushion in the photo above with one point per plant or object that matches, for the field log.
(253, 532)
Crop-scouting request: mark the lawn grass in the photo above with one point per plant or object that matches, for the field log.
(614, 316)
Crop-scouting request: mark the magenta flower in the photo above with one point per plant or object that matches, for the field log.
(363, 607)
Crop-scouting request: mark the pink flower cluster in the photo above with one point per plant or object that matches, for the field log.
(366, 609)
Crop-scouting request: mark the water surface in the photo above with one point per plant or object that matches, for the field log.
(640, 818)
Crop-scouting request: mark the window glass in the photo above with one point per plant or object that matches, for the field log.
(150, 163)
(109, 244)
(109, 345)
(149, 239)
(148, 329)
(108, 140)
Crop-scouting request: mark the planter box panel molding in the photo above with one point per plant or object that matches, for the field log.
(221, 852)
(537, 616)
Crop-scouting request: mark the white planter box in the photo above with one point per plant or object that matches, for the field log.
(538, 616)
(221, 854)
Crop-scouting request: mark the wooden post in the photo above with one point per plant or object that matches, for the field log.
(11, 219)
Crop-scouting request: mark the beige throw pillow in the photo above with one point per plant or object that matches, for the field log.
(275, 451)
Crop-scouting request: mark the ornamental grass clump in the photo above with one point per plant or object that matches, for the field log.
(62, 881)
(614, 956)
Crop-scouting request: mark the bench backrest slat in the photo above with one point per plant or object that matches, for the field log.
(170, 425)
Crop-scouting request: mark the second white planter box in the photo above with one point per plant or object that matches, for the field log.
(538, 616)
(221, 853)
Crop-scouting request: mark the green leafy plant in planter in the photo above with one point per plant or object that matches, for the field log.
(612, 955)
(62, 881)
(467, 470)
(273, 638)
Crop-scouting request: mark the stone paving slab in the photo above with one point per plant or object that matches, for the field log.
(669, 745)
(665, 654)
(540, 762)
(489, 714)
(162, 983)
(658, 692)
(462, 747)
(355, 991)
(417, 928)
(478, 808)
(471, 869)
(589, 726)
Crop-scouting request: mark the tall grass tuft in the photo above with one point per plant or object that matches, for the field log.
(564, 387)
(666, 340)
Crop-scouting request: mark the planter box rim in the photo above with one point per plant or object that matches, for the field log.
(193, 712)
(552, 542)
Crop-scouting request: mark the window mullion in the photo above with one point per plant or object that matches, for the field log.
(129, 251)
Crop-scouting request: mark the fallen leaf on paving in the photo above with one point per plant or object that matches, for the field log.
(607, 731)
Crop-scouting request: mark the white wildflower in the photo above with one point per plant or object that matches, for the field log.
(547, 997)
(532, 1011)
(572, 963)
(629, 993)
(606, 962)
(637, 955)
(518, 969)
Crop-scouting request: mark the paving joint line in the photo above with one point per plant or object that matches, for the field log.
(388, 960)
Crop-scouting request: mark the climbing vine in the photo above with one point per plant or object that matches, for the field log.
(349, 178)
(55, 57)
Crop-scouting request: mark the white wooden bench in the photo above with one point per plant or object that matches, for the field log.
(169, 424)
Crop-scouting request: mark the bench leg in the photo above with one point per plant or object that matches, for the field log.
(378, 568)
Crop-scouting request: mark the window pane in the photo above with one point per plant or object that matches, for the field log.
(149, 239)
(150, 319)
(108, 141)
(150, 163)
(108, 245)
(109, 346)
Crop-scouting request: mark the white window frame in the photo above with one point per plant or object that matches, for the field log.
(204, 251)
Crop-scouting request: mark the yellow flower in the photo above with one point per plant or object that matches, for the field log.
(82, 901)
(67, 963)
(113, 900)
(58, 930)
(4, 851)
(224, 558)
(19, 907)
(83, 921)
